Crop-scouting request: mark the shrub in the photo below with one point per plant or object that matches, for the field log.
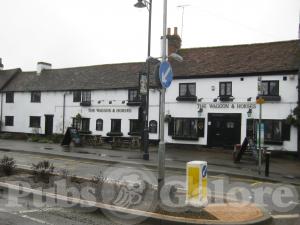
(7, 165)
(57, 138)
(43, 170)
(99, 179)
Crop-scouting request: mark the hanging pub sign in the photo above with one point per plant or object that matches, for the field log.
(259, 86)
(143, 83)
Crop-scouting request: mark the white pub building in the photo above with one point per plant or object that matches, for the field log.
(211, 101)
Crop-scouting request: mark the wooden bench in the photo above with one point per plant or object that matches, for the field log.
(128, 142)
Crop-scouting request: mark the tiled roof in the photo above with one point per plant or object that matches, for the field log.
(6, 76)
(110, 76)
(239, 59)
(274, 57)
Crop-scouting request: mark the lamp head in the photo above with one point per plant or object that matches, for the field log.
(140, 4)
(177, 57)
(249, 113)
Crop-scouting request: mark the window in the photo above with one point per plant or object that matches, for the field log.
(9, 97)
(82, 124)
(86, 96)
(85, 124)
(35, 121)
(188, 89)
(275, 131)
(270, 88)
(9, 120)
(116, 125)
(133, 95)
(225, 89)
(99, 124)
(76, 123)
(115, 129)
(185, 128)
(134, 127)
(272, 130)
(153, 127)
(36, 96)
(134, 98)
(76, 96)
(187, 92)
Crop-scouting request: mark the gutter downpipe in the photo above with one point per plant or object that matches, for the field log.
(64, 112)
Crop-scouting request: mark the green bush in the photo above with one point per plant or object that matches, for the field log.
(7, 165)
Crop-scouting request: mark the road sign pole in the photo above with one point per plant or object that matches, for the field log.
(161, 147)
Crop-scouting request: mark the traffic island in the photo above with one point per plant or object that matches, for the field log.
(227, 213)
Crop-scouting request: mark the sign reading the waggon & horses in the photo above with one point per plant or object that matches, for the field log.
(231, 105)
(110, 110)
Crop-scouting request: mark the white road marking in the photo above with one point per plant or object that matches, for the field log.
(286, 216)
(26, 216)
(36, 220)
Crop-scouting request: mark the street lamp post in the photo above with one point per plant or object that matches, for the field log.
(145, 140)
(162, 145)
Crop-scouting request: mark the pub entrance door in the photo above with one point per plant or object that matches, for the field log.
(48, 124)
(224, 129)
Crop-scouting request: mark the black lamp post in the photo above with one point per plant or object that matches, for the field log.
(145, 136)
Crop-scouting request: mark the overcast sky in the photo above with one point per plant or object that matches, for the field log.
(71, 33)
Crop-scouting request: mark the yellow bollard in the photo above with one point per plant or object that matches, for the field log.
(196, 182)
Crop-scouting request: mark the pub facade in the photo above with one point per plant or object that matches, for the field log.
(211, 101)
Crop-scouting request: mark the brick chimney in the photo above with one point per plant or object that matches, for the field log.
(1, 65)
(174, 41)
(42, 66)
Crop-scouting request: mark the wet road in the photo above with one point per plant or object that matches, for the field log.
(286, 214)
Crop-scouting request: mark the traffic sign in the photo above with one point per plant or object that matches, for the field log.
(165, 74)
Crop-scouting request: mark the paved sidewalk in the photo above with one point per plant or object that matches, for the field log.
(219, 161)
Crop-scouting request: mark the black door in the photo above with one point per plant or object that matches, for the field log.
(224, 129)
(48, 124)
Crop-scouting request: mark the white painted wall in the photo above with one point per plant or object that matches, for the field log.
(241, 90)
(52, 104)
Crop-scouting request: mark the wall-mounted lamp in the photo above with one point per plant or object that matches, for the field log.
(249, 113)
(200, 111)
(200, 99)
(249, 99)
(123, 102)
(215, 100)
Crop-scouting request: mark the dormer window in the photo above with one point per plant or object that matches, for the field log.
(187, 92)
